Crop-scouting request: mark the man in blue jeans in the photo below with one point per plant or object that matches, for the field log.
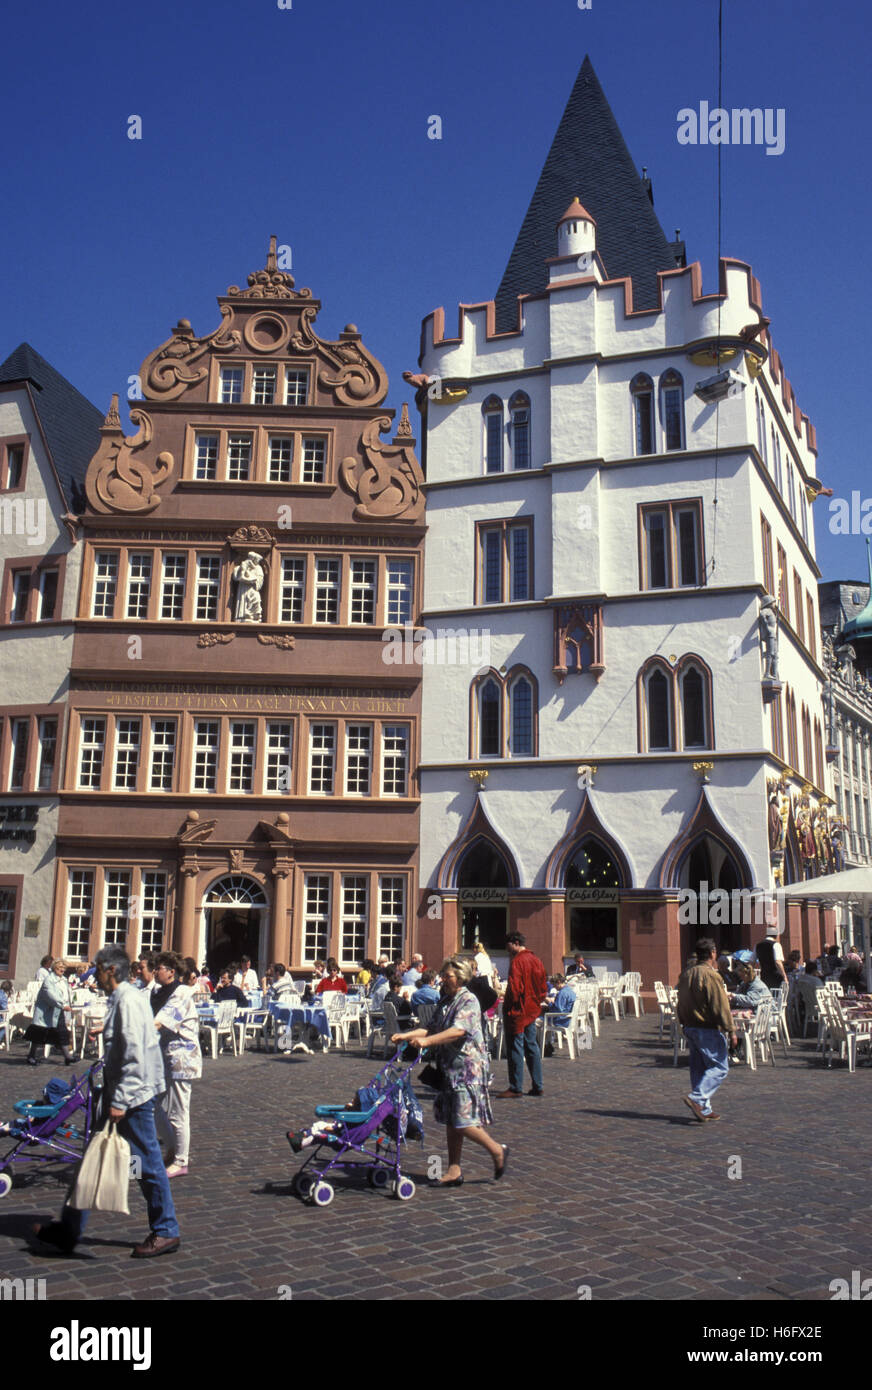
(704, 1013)
(133, 1076)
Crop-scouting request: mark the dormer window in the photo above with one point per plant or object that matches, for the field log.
(642, 390)
(492, 411)
(519, 414)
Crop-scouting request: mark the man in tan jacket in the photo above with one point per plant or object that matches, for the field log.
(704, 1013)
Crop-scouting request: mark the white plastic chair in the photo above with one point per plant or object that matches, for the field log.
(778, 1022)
(4, 1030)
(611, 996)
(223, 1025)
(334, 1007)
(553, 1033)
(665, 1006)
(848, 1035)
(387, 1026)
(249, 1026)
(760, 1039)
(633, 991)
(352, 1018)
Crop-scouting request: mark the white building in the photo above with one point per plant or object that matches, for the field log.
(48, 433)
(611, 492)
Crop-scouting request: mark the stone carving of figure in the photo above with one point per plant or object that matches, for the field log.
(774, 821)
(822, 838)
(769, 623)
(837, 840)
(785, 817)
(249, 576)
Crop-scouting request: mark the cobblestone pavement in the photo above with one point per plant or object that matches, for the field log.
(611, 1185)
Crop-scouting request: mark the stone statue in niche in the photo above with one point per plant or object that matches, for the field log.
(249, 576)
(769, 623)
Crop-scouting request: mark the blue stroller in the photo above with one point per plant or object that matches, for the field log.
(367, 1135)
(42, 1129)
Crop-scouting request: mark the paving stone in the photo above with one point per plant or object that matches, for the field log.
(610, 1186)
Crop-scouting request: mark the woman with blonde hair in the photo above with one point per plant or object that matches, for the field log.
(461, 1059)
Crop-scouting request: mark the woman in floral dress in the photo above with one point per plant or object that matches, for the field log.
(461, 1057)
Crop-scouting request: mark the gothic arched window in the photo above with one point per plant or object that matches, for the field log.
(519, 416)
(492, 414)
(672, 408)
(642, 391)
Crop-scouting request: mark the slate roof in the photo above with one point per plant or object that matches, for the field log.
(589, 160)
(70, 423)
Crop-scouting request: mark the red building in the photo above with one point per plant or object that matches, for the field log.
(240, 769)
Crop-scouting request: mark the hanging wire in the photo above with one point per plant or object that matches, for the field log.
(720, 196)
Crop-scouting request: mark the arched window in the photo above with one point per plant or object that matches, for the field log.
(492, 413)
(642, 391)
(776, 454)
(521, 690)
(761, 430)
(519, 417)
(490, 730)
(694, 708)
(807, 763)
(672, 409)
(792, 749)
(658, 702)
(818, 755)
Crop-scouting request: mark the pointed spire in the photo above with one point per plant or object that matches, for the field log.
(588, 158)
(576, 213)
(271, 259)
(113, 419)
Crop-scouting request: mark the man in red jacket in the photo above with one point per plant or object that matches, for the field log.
(527, 987)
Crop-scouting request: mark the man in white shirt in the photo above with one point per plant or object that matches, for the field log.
(146, 981)
(245, 978)
(414, 972)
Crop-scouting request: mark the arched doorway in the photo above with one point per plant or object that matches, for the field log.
(709, 867)
(593, 882)
(483, 880)
(235, 912)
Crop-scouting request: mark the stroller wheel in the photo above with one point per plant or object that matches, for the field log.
(303, 1184)
(378, 1177)
(5, 1184)
(404, 1189)
(322, 1194)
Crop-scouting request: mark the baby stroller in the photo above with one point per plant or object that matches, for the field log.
(42, 1130)
(367, 1135)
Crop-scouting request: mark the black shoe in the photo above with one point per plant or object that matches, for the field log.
(549, 1049)
(33, 1061)
(534, 1092)
(56, 1236)
(447, 1182)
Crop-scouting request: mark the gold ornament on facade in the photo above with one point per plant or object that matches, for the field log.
(388, 482)
(702, 770)
(174, 366)
(116, 481)
(479, 775)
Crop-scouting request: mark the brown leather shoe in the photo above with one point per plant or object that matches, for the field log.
(712, 1116)
(698, 1112)
(510, 1095)
(155, 1245)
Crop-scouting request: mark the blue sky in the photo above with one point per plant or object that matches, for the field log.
(311, 122)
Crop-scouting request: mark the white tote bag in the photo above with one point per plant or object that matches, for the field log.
(104, 1175)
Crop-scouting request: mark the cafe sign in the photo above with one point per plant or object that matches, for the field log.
(483, 897)
(594, 897)
(18, 823)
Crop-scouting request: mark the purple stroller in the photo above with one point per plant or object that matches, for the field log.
(42, 1129)
(367, 1136)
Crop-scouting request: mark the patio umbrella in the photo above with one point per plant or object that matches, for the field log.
(852, 887)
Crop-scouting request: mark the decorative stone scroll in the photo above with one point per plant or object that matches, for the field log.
(116, 481)
(174, 366)
(196, 831)
(388, 482)
(250, 538)
(214, 639)
(346, 367)
(270, 283)
(277, 639)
